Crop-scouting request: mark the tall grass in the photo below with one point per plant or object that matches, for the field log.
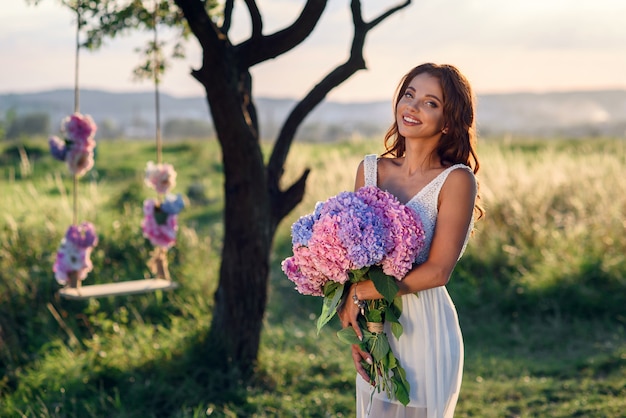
(540, 290)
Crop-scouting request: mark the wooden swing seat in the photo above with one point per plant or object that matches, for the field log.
(131, 287)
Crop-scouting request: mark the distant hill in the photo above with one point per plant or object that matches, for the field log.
(571, 114)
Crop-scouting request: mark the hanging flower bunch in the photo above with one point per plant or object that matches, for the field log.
(160, 222)
(77, 147)
(73, 261)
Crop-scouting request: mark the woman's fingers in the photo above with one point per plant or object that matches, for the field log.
(358, 356)
(357, 329)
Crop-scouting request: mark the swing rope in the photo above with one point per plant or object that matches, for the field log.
(76, 108)
(155, 72)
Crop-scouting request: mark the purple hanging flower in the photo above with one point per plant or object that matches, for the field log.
(57, 148)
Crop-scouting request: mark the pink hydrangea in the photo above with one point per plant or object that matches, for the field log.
(161, 177)
(158, 226)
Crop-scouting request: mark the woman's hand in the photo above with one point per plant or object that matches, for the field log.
(348, 312)
(358, 356)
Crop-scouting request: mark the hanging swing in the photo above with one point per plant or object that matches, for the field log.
(160, 215)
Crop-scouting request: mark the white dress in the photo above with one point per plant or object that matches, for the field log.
(431, 347)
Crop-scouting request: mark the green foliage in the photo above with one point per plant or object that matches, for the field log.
(333, 292)
(539, 290)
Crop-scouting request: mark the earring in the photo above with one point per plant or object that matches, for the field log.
(444, 131)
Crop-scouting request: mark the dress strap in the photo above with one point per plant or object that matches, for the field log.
(370, 169)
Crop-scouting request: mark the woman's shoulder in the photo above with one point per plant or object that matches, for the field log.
(460, 176)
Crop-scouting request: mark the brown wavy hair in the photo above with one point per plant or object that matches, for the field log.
(458, 144)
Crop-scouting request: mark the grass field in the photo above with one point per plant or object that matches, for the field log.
(540, 291)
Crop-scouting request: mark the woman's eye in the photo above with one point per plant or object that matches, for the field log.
(431, 104)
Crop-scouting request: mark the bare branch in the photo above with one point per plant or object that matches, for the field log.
(261, 48)
(228, 15)
(388, 13)
(255, 16)
(284, 203)
(333, 79)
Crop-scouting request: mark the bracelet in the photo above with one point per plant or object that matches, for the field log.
(360, 303)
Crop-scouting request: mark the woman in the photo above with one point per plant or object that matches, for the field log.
(429, 165)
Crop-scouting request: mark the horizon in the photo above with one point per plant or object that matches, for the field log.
(327, 99)
(573, 46)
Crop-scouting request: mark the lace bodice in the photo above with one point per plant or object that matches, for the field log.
(424, 203)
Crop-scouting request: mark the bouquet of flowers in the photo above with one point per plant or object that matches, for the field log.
(77, 147)
(351, 237)
(73, 261)
(160, 222)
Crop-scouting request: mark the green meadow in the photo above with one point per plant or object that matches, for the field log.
(540, 291)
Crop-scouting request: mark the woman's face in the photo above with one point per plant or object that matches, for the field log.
(419, 112)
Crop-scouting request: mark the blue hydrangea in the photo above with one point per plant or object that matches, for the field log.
(172, 204)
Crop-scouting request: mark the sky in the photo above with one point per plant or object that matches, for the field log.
(502, 46)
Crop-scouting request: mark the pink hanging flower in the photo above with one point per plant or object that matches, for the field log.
(73, 255)
(79, 161)
(79, 143)
(158, 226)
(161, 177)
(80, 129)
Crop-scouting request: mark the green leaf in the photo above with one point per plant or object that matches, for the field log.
(391, 315)
(391, 360)
(380, 347)
(330, 288)
(396, 306)
(333, 294)
(396, 329)
(374, 315)
(348, 335)
(385, 284)
(358, 275)
(402, 386)
(401, 391)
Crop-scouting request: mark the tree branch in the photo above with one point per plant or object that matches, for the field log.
(261, 48)
(285, 201)
(211, 38)
(255, 17)
(388, 13)
(228, 15)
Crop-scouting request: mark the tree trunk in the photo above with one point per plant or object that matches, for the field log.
(241, 297)
(254, 202)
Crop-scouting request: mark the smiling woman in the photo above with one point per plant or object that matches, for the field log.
(429, 165)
